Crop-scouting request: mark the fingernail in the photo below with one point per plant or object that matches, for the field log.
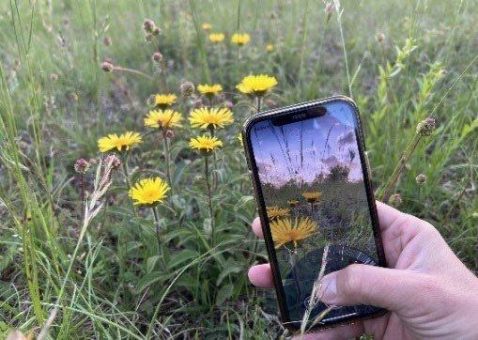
(328, 289)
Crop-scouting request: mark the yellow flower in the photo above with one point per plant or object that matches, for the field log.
(216, 37)
(210, 118)
(164, 100)
(269, 48)
(257, 85)
(165, 119)
(240, 39)
(285, 230)
(149, 191)
(206, 26)
(209, 90)
(275, 212)
(293, 203)
(205, 143)
(312, 196)
(121, 142)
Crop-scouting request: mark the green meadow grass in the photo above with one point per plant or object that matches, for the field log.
(401, 62)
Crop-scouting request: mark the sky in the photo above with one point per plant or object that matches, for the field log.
(325, 142)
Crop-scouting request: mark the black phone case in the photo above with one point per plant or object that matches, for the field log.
(274, 113)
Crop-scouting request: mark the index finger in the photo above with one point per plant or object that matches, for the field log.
(387, 215)
(257, 228)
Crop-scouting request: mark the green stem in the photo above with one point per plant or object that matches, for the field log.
(293, 262)
(392, 181)
(167, 157)
(133, 71)
(344, 48)
(158, 227)
(259, 102)
(209, 196)
(124, 164)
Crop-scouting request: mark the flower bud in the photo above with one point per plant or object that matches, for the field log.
(169, 134)
(81, 166)
(329, 10)
(186, 89)
(157, 57)
(228, 104)
(149, 26)
(380, 37)
(113, 160)
(426, 126)
(198, 103)
(421, 179)
(395, 200)
(107, 66)
(107, 41)
(156, 31)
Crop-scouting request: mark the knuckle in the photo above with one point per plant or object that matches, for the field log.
(351, 282)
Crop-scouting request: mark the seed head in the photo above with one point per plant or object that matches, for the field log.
(186, 89)
(426, 126)
(149, 26)
(107, 66)
(421, 179)
(157, 57)
(82, 166)
(395, 200)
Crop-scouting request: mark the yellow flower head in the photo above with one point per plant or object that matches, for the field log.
(164, 100)
(165, 119)
(209, 90)
(312, 196)
(121, 142)
(205, 144)
(206, 26)
(274, 213)
(257, 85)
(269, 48)
(293, 203)
(285, 230)
(149, 191)
(240, 39)
(216, 38)
(210, 118)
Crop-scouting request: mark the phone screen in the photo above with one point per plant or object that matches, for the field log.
(312, 181)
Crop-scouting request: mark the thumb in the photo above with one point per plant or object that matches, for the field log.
(364, 284)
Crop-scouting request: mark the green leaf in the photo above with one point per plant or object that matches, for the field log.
(181, 257)
(232, 269)
(151, 263)
(224, 293)
(468, 128)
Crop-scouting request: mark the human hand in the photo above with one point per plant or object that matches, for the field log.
(427, 289)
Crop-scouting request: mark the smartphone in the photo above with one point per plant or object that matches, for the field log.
(315, 202)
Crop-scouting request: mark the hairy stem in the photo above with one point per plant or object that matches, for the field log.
(167, 157)
(384, 194)
(209, 196)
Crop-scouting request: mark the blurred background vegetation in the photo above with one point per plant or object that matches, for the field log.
(401, 61)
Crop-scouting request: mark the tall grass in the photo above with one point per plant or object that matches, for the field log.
(403, 62)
